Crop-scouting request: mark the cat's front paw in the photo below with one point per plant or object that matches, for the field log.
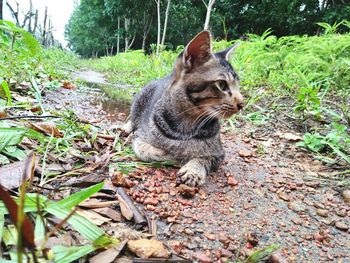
(191, 174)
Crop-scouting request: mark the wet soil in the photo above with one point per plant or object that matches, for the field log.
(89, 103)
(268, 191)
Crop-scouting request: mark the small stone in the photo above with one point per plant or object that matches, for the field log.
(232, 181)
(346, 196)
(188, 231)
(312, 184)
(318, 237)
(244, 153)
(297, 221)
(277, 258)
(296, 206)
(252, 239)
(150, 201)
(209, 236)
(186, 191)
(341, 225)
(201, 257)
(341, 213)
(226, 253)
(284, 196)
(322, 212)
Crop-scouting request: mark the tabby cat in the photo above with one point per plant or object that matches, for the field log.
(177, 118)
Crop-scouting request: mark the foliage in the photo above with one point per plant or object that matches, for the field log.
(336, 140)
(93, 27)
(38, 205)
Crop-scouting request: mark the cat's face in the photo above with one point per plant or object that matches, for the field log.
(205, 81)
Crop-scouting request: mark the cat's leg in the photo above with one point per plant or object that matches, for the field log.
(147, 152)
(127, 127)
(194, 172)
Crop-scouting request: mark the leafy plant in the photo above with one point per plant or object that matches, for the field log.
(63, 209)
(336, 141)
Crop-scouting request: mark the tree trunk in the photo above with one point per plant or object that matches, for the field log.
(126, 28)
(158, 31)
(43, 41)
(207, 17)
(165, 22)
(30, 17)
(13, 12)
(118, 35)
(147, 21)
(1, 4)
(35, 21)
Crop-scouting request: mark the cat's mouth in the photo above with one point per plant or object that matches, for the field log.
(227, 110)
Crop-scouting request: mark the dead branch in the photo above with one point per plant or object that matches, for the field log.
(138, 218)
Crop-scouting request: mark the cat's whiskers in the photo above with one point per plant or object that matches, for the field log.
(211, 116)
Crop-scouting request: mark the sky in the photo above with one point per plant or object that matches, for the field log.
(58, 10)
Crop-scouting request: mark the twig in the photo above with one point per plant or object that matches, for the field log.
(138, 218)
(39, 117)
(29, 117)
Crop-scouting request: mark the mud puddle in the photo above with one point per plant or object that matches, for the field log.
(89, 102)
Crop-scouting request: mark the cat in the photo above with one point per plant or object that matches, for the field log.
(177, 117)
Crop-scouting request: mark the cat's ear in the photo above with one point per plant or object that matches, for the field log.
(225, 54)
(198, 51)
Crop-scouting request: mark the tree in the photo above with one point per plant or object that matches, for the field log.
(158, 26)
(165, 22)
(209, 7)
(1, 5)
(98, 26)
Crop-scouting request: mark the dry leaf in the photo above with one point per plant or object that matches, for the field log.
(48, 128)
(94, 217)
(147, 248)
(109, 212)
(68, 85)
(12, 175)
(108, 255)
(292, 137)
(94, 203)
(125, 209)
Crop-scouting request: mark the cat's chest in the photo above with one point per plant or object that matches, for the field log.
(173, 127)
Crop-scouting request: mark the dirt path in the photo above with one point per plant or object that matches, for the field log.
(267, 192)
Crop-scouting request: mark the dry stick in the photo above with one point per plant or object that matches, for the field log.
(138, 218)
(29, 117)
(38, 117)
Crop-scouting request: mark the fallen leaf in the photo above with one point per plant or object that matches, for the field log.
(125, 209)
(12, 175)
(201, 257)
(292, 137)
(68, 85)
(123, 232)
(95, 203)
(27, 227)
(109, 212)
(108, 255)
(48, 128)
(147, 248)
(94, 217)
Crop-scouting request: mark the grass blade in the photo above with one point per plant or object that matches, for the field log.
(78, 197)
(64, 254)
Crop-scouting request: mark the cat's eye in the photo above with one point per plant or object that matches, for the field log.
(223, 85)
